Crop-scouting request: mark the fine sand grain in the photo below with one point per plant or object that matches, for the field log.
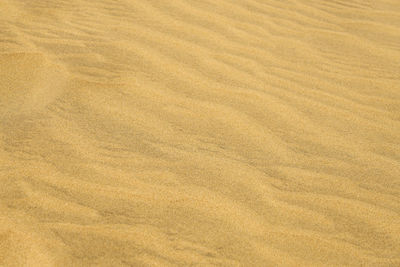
(200, 133)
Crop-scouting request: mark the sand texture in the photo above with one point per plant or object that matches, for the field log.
(200, 133)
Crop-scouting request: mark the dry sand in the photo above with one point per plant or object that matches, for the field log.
(199, 133)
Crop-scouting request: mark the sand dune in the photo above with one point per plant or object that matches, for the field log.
(200, 133)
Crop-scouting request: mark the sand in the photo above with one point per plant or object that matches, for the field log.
(199, 133)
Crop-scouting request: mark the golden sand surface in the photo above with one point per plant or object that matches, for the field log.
(200, 133)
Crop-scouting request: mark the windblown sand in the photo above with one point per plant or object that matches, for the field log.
(199, 133)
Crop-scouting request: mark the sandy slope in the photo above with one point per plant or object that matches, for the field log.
(199, 132)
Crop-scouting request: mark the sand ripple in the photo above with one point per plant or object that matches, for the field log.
(209, 133)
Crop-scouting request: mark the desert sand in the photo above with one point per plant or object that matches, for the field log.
(199, 133)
